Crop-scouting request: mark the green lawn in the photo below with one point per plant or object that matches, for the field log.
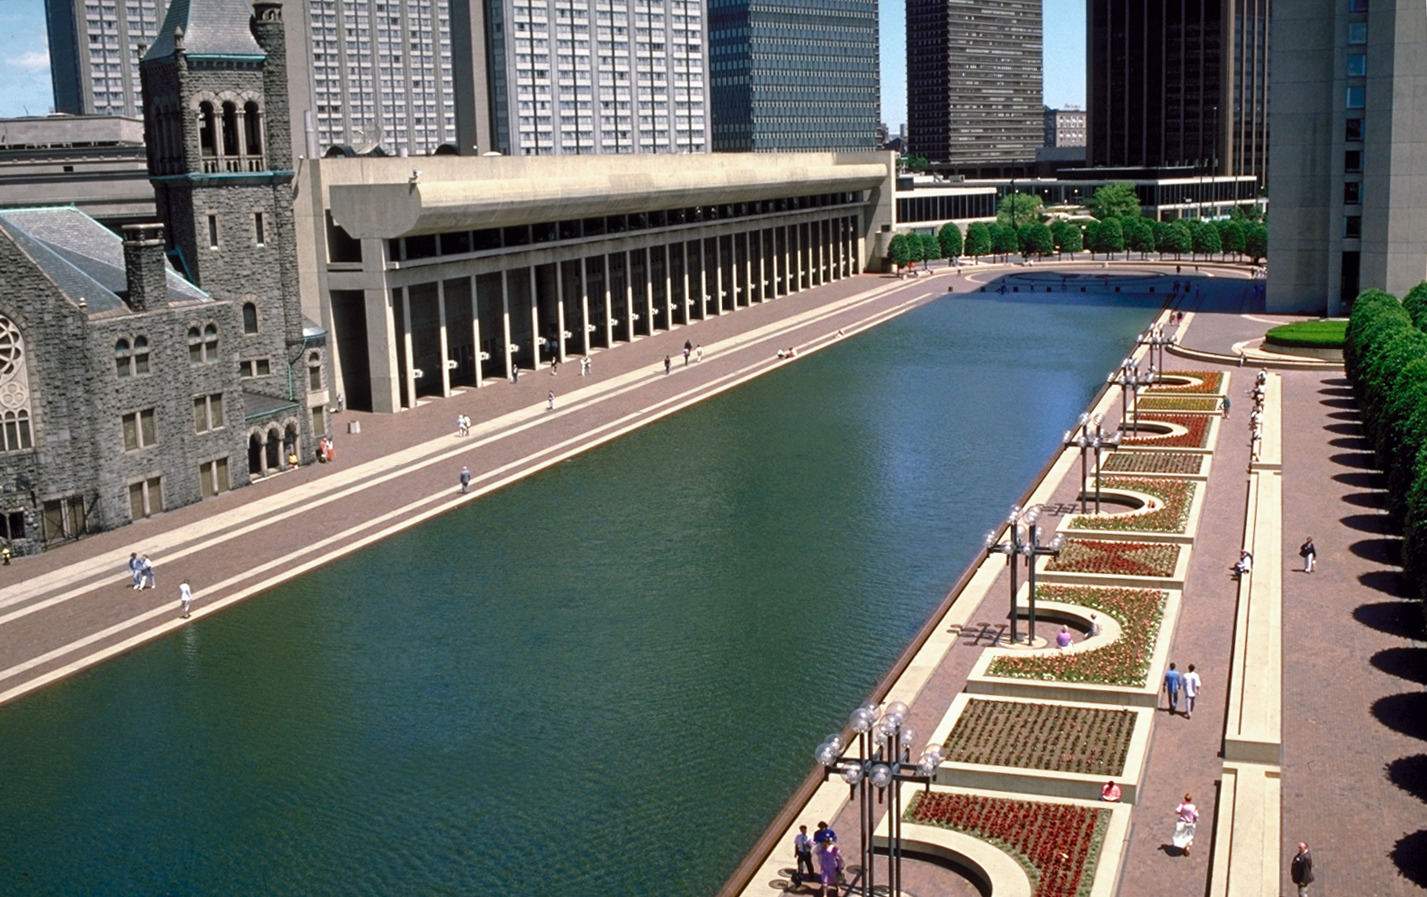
(1325, 334)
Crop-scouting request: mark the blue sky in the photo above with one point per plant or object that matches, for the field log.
(25, 75)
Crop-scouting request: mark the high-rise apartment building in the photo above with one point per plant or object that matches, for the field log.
(974, 81)
(794, 76)
(597, 76)
(1176, 84)
(1347, 162)
(366, 72)
(1065, 127)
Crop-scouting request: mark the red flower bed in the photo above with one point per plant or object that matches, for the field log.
(1212, 382)
(1125, 661)
(1117, 558)
(1177, 497)
(1057, 844)
(1201, 404)
(1055, 737)
(1196, 424)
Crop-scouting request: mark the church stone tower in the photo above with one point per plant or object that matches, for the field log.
(219, 139)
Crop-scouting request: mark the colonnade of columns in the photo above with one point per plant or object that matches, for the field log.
(464, 324)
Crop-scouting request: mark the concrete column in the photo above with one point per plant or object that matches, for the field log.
(790, 271)
(409, 372)
(584, 308)
(718, 275)
(476, 332)
(608, 306)
(629, 310)
(747, 268)
(703, 282)
(505, 318)
(763, 265)
(560, 311)
(668, 289)
(445, 345)
(648, 288)
(684, 289)
(534, 320)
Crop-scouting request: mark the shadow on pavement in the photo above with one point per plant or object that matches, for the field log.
(1405, 713)
(1336, 391)
(1379, 551)
(1351, 416)
(1356, 443)
(1373, 499)
(1339, 381)
(1389, 582)
(1400, 618)
(1371, 480)
(1367, 523)
(1409, 774)
(1362, 460)
(1347, 429)
(1404, 663)
(1339, 403)
(1410, 855)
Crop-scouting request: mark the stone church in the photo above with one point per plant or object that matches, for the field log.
(150, 371)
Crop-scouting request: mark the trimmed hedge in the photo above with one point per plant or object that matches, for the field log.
(1385, 356)
(1309, 334)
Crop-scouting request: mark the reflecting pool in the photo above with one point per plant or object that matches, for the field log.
(603, 680)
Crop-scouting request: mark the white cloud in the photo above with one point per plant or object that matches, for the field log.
(33, 61)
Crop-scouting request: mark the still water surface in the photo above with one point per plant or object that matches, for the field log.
(603, 680)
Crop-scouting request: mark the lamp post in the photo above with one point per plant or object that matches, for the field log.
(882, 760)
(1087, 440)
(1130, 381)
(1100, 440)
(1034, 549)
(1012, 551)
(1156, 339)
(1082, 442)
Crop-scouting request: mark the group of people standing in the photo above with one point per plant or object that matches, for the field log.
(141, 572)
(822, 846)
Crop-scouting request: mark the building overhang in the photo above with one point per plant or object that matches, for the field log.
(389, 197)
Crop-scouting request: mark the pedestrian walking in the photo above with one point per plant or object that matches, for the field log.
(824, 834)
(666, 365)
(1192, 684)
(585, 366)
(185, 597)
(1172, 682)
(688, 350)
(514, 373)
(147, 572)
(830, 865)
(465, 480)
(1186, 817)
(1301, 869)
(136, 570)
(554, 367)
(698, 353)
(550, 401)
(803, 854)
(1309, 553)
(1225, 405)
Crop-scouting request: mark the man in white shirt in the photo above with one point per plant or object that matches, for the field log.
(1191, 691)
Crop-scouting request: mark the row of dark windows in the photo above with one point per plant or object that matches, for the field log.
(131, 354)
(489, 239)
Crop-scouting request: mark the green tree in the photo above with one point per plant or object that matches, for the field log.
(950, 239)
(1115, 201)
(930, 248)
(1206, 237)
(1071, 238)
(899, 252)
(1091, 235)
(1139, 235)
(1003, 239)
(978, 239)
(1036, 240)
(1181, 238)
(1256, 242)
(1109, 237)
(1231, 236)
(914, 163)
(1019, 208)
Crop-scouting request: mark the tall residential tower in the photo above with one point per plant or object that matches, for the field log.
(974, 81)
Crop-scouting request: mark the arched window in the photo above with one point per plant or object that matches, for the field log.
(123, 362)
(207, 130)
(195, 345)
(14, 390)
(253, 128)
(250, 317)
(230, 130)
(210, 342)
(314, 371)
(141, 355)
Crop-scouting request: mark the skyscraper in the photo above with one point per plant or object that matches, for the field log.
(367, 71)
(794, 76)
(1175, 84)
(597, 76)
(1347, 160)
(974, 81)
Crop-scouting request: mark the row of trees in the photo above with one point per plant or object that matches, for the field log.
(1385, 356)
(1111, 236)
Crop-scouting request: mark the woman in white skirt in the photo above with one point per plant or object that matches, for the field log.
(1185, 817)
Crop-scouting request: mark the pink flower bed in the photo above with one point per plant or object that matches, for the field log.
(1153, 462)
(1212, 382)
(1116, 558)
(1125, 661)
(1177, 496)
(1196, 424)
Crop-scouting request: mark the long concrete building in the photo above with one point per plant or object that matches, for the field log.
(459, 271)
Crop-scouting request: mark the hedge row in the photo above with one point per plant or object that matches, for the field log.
(1385, 356)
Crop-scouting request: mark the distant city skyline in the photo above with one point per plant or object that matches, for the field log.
(24, 58)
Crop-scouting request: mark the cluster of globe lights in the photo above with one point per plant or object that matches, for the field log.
(893, 735)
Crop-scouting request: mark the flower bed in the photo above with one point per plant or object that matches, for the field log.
(1153, 462)
(1054, 737)
(1125, 661)
(1116, 558)
(1057, 844)
(1196, 424)
(1212, 382)
(1179, 403)
(1177, 497)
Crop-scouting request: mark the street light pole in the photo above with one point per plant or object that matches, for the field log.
(1130, 381)
(1012, 551)
(1033, 550)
